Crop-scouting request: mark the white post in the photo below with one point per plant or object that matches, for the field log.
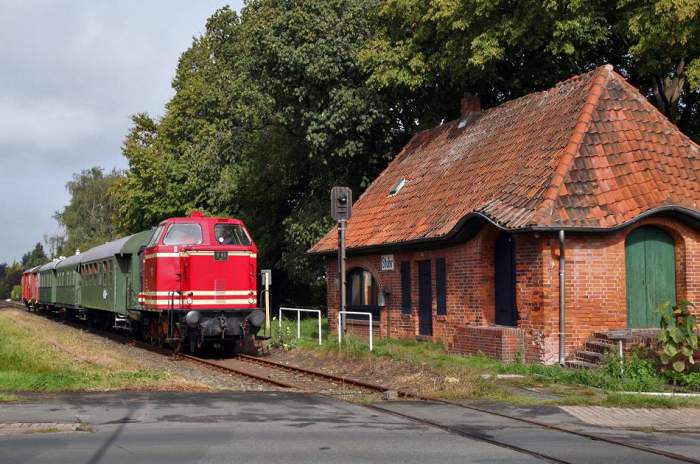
(299, 311)
(370, 331)
(343, 313)
(340, 330)
(280, 318)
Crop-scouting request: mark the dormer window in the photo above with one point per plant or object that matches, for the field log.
(397, 186)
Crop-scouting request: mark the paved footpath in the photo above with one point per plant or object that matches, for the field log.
(278, 427)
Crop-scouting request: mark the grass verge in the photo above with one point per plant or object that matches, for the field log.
(38, 356)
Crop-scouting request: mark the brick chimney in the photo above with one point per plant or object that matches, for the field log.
(470, 106)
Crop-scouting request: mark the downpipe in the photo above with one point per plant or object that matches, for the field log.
(562, 299)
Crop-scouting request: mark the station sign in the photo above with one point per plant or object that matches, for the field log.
(387, 262)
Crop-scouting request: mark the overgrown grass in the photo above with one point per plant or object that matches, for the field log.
(572, 386)
(31, 362)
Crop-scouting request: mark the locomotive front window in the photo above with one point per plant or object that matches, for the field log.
(183, 234)
(231, 234)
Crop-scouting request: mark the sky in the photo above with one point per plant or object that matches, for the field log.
(72, 73)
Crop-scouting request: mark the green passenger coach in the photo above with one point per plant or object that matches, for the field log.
(68, 282)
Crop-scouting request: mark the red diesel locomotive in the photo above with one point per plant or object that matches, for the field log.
(203, 272)
(190, 281)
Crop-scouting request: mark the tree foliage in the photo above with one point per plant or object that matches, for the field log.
(271, 109)
(35, 257)
(501, 49)
(90, 218)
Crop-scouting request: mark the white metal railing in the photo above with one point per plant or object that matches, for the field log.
(359, 313)
(299, 311)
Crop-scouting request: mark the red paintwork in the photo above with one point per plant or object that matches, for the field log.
(188, 276)
(30, 287)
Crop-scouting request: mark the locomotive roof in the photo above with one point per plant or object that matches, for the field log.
(105, 251)
(34, 269)
(201, 219)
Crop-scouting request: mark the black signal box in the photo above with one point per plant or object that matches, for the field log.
(341, 203)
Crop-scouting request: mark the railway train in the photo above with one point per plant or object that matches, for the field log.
(190, 281)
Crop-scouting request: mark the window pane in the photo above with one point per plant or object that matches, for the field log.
(155, 237)
(369, 290)
(183, 234)
(356, 289)
(231, 234)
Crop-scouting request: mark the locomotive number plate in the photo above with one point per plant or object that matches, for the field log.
(220, 255)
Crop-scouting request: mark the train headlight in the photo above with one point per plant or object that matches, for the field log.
(192, 318)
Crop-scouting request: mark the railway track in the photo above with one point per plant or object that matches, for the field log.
(296, 378)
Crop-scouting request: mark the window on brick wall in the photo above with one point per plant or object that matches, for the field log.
(406, 287)
(441, 285)
(362, 293)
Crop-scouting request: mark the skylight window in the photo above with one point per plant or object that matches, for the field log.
(397, 186)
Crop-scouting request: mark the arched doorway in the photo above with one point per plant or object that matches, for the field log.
(650, 263)
(504, 268)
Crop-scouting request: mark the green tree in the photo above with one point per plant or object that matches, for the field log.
(436, 50)
(271, 108)
(35, 257)
(91, 216)
(12, 277)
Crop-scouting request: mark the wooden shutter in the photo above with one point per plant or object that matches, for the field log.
(406, 287)
(441, 285)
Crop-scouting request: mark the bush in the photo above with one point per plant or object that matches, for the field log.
(284, 337)
(16, 293)
(677, 337)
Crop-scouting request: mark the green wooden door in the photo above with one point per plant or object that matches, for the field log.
(650, 263)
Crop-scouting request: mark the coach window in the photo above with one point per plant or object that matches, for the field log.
(183, 234)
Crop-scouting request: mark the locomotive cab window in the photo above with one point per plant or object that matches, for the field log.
(231, 234)
(183, 234)
(155, 237)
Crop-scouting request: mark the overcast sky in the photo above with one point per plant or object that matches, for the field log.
(71, 74)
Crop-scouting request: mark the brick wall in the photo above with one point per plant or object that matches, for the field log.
(595, 289)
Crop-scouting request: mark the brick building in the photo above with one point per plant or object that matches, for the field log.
(460, 239)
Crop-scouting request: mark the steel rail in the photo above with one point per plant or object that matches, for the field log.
(474, 436)
(242, 372)
(312, 372)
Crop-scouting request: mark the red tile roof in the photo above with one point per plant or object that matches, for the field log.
(590, 152)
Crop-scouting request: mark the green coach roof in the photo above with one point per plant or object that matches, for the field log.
(134, 243)
(50, 266)
(106, 251)
(69, 262)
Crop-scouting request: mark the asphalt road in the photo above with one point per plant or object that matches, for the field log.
(268, 428)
